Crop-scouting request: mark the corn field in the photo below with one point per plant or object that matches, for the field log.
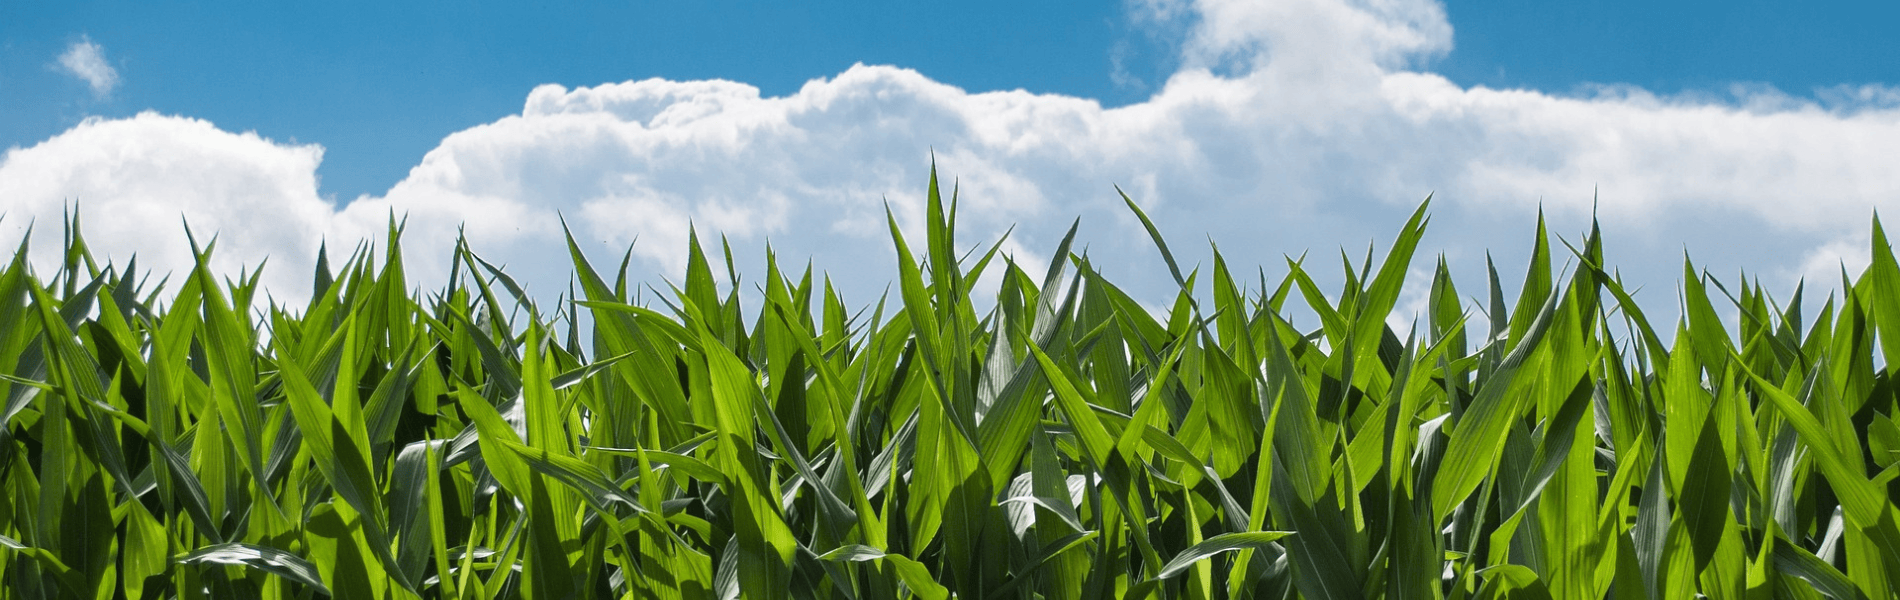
(172, 439)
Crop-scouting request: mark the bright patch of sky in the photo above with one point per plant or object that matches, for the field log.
(378, 84)
(1674, 46)
(1754, 134)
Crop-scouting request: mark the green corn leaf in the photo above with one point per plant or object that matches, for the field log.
(1704, 494)
(1477, 437)
(342, 454)
(1050, 552)
(1884, 277)
(1513, 581)
(1095, 438)
(262, 558)
(69, 579)
(1072, 441)
(1382, 294)
(1797, 561)
(1225, 542)
(1155, 234)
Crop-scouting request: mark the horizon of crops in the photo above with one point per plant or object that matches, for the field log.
(162, 440)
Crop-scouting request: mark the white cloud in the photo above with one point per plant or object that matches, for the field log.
(138, 180)
(1822, 266)
(87, 61)
(1294, 124)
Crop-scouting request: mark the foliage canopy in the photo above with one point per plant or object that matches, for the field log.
(165, 441)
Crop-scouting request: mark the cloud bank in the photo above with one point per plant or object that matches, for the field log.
(87, 61)
(1292, 125)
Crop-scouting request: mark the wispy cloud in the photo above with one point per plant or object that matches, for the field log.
(87, 61)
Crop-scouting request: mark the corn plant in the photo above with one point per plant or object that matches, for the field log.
(1060, 441)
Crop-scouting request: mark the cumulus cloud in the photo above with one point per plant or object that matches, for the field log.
(1292, 125)
(137, 181)
(87, 61)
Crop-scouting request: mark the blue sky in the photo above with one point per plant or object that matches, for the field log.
(1672, 46)
(1749, 133)
(378, 84)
